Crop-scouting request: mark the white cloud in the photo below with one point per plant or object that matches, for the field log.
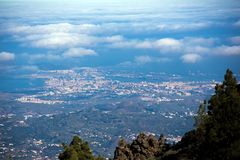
(79, 52)
(6, 56)
(106, 28)
(144, 44)
(148, 59)
(63, 40)
(126, 63)
(57, 40)
(163, 45)
(115, 38)
(199, 41)
(168, 44)
(183, 27)
(52, 28)
(197, 45)
(143, 59)
(235, 40)
(76, 37)
(197, 49)
(30, 68)
(227, 50)
(125, 44)
(37, 57)
(190, 58)
(53, 36)
(61, 35)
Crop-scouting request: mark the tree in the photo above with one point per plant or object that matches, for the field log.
(201, 116)
(222, 125)
(217, 133)
(77, 150)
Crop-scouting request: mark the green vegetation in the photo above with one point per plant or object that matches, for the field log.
(216, 136)
(217, 133)
(77, 150)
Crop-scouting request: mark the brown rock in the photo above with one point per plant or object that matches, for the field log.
(144, 147)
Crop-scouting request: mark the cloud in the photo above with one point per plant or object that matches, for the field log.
(148, 59)
(126, 64)
(235, 40)
(113, 39)
(61, 35)
(199, 41)
(57, 40)
(72, 39)
(106, 28)
(183, 27)
(37, 57)
(168, 44)
(125, 12)
(237, 24)
(197, 45)
(6, 56)
(125, 44)
(79, 52)
(149, 28)
(163, 45)
(190, 58)
(54, 36)
(52, 28)
(63, 40)
(227, 50)
(66, 35)
(143, 59)
(30, 68)
(197, 49)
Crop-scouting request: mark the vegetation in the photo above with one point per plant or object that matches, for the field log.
(216, 136)
(217, 133)
(77, 150)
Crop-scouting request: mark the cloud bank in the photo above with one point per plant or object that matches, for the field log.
(79, 52)
(6, 56)
(191, 58)
(142, 33)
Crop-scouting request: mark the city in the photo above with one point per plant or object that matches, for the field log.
(101, 106)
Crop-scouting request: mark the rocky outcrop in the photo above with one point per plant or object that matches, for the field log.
(144, 147)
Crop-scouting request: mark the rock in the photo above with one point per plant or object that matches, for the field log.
(144, 147)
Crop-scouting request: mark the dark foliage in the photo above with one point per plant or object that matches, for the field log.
(77, 150)
(217, 133)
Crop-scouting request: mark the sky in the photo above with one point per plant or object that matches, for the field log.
(154, 35)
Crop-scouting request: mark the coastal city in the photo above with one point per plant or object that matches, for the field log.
(91, 82)
(99, 105)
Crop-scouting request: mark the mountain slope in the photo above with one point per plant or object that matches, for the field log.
(216, 136)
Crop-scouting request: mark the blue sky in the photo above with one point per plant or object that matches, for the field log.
(175, 36)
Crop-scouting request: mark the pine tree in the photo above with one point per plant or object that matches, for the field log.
(76, 150)
(217, 132)
(221, 126)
